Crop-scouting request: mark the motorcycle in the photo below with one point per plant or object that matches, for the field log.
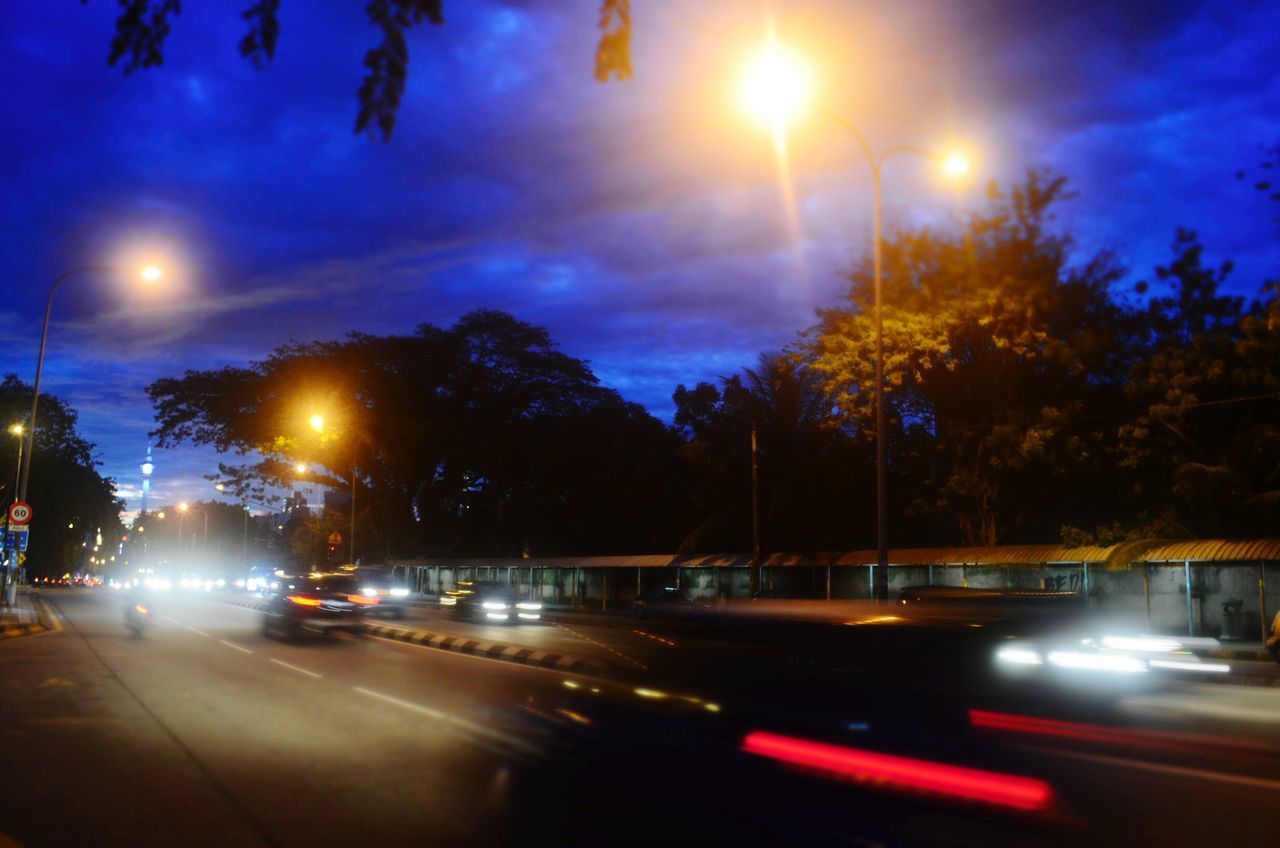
(137, 617)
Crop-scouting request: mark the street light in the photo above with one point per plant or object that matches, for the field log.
(149, 273)
(17, 430)
(317, 423)
(776, 88)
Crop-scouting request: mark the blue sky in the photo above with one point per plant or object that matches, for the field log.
(643, 223)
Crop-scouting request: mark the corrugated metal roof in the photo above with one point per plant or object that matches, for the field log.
(1146, 550)
(1213, 550)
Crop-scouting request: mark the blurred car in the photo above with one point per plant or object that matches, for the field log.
(483, 600)
(392, 596)
(316, 603)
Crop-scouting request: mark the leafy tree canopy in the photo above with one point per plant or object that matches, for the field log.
(144, 25)
(71, 499)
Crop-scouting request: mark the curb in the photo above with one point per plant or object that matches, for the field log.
(1240, 654)
(44, 622)
(463, 645)
(490, 650)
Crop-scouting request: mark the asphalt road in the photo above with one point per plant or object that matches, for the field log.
(205, 733)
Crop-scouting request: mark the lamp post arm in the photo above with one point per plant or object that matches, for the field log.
(35, 394)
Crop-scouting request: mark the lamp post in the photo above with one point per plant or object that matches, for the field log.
(317, 423)
(150, 273)
(17, 430)
(775, 89)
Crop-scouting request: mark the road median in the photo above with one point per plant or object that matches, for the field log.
(503, 651)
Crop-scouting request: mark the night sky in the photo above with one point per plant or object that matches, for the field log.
(644, 223)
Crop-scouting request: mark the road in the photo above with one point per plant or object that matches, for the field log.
(205, 733)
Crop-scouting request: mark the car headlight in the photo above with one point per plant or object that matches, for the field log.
(495, 605)
(528, 605)
(447, 601)
(369, 593)
(399, 592)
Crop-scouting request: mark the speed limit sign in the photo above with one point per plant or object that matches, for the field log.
(19, 514)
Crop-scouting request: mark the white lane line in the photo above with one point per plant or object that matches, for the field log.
(171, 620)
(295, 668)
(193, 630)
(1181, 771)
(471, 727)
(234, 645)
(399, 703)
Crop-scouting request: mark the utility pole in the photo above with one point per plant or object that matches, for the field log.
(755, 513)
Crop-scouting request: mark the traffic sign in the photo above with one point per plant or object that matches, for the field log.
(19, 513)
(16, 539)
(335, 538)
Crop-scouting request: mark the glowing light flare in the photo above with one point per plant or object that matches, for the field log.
(317, 423)
(301, 467)
(776, 86)
(17, 429)
(903, 773)
(956, 164)
(151, 273)
(303, 602)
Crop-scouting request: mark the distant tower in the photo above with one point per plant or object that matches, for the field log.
(147, 468)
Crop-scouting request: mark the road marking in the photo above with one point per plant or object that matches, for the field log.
(399, 703)
(1181, 771)
(171, 620)
(200, 632)
(471, 727)
(636, 663)
(295, 668)
(666, 642)
(234, 645)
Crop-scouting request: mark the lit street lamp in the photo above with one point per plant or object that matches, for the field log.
(775, 88)
(317, 423)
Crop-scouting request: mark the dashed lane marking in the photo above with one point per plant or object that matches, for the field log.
(198, 632)
(611, 650)
(666, 642)
(295, 668)
(234, 645)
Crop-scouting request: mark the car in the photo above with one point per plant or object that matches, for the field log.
(392, 596)
(484, 600)
(315, 603)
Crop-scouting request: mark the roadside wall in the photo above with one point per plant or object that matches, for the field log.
(1156, 592)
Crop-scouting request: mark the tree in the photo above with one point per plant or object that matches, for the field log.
(144, 25)
(995, 345)
(482, 438)
(809, 469)
(1204, 451)
(73, 502)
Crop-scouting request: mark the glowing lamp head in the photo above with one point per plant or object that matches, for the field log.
(301, 468)
(317, 423)
(151, 273)
(17, 429)
(221, 487)
(776, 86)
(184, 506)
(955, 164)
